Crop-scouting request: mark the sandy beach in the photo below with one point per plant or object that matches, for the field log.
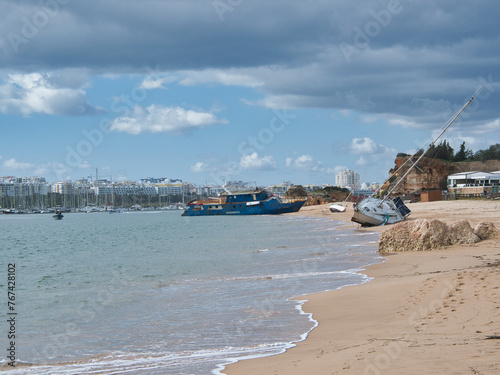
(434, 312)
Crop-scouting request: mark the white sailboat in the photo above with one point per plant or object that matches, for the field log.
(375, 211)
(341, 207)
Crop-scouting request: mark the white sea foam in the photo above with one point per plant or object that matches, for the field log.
(157, 363)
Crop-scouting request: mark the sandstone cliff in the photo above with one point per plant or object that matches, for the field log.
(432, 174)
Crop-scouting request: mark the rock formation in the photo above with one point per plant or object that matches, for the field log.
(423, 235)
(432, 174)
(485, 230)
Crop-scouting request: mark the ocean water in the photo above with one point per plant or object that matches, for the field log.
(157, 293)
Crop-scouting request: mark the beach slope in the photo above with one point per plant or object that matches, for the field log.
(435, 312)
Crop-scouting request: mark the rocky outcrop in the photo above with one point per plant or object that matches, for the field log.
(432, 174)
(314, 201)
(485, 230)
(424, 235)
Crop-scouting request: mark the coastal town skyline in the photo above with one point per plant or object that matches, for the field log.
(252, 91)
(24, 186)
(33, 194)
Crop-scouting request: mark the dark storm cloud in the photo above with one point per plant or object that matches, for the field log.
(414, 62)
(172, 34)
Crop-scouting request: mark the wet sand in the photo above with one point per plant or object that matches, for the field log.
(435, 312)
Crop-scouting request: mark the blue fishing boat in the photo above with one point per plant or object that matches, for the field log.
(259, 202)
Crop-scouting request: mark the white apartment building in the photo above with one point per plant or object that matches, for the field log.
(124, 189)
(281, 189)
(346, 178)
(25, 187)
(170, 189)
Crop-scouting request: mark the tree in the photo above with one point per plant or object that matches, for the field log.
(331, 189)
(492, 153)
(296, 191)
(461, 155)
(442, 151)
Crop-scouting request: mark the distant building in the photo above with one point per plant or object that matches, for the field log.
(209, 190)
(65, 187)
(346, 178)
(474, 182)
(281, 189)
(170, 188)
(359, 192)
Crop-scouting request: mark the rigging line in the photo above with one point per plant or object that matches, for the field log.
(359, 182)
(410, 158)
(448, 124)
(442, 129)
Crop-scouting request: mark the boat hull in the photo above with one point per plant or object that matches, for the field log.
(374, 212)
(365, 220)
(271, 207)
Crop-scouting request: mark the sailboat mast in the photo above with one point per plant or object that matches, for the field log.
(450, 121)
(355, 187)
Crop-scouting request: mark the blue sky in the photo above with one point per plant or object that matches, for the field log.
(262, 91)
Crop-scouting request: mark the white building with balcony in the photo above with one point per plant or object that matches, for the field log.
(346, 178)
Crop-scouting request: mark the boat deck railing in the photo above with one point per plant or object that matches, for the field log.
(199, 202)
(292, 200)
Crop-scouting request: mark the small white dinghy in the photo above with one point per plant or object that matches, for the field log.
(337, 207)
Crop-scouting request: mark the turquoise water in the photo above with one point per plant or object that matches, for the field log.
(157, 293)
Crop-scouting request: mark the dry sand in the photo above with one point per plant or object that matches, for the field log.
(435, 312)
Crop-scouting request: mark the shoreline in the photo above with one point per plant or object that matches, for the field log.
(421, 312)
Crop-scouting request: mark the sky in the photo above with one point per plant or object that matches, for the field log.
(254, 90)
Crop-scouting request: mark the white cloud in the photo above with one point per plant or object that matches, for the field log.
(339, 168)
(13, 164)
(199, 167)
(253, 161)
(401, 121)
(156, 119)
(367, 119)
(306, 163)
(370, 152)
(361, 161)
(54, 169)
(39, 93)
(365, 146)
(230, 77)
(488, 128)
(84, 165)
(156, 82)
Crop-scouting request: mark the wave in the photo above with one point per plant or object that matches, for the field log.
(150, 363)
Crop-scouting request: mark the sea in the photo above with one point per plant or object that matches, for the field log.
(152, 292)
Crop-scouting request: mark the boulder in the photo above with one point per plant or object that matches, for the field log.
(462, 233)
(424, 235)
(485, 230)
